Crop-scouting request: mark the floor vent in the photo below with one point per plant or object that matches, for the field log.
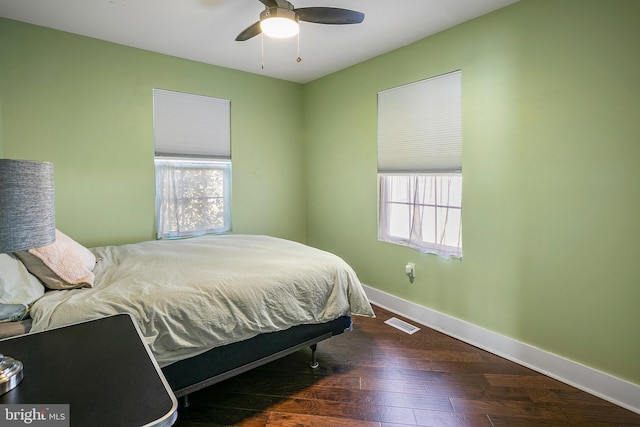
(402, 325)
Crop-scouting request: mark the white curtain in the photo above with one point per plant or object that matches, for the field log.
(190, 198)
(422, 211)
(167, 188)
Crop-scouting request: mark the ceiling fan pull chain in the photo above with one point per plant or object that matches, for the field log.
(262, 49)
(298, 59)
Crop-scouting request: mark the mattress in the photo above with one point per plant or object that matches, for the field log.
(191, 295)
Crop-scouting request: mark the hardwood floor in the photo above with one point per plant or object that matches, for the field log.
(378, 376)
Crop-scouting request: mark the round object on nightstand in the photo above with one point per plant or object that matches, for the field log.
(10, 373)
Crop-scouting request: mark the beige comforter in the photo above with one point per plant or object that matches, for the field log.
(195, 294)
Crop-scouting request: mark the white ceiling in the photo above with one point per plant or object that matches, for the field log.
(205, 30)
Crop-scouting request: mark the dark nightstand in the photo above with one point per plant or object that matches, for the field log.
(102, 369)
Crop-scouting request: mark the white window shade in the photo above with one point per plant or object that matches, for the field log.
(420, 126)
(191, 125)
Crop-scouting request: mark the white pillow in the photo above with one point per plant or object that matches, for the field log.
(64, 264)
(18, 289)
(17, 286)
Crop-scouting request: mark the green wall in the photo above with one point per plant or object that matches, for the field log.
(86, 105)
(551, 154)
(551, 148)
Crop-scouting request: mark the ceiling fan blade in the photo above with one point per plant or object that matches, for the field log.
(249, 32)
(329, 15)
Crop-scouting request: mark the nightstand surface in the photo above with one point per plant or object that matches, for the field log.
(101, 368)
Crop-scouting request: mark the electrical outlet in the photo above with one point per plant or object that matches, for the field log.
(410, 270)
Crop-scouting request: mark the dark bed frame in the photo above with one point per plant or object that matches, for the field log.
(221, 363)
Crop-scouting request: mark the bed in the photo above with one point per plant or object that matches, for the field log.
(209, 307)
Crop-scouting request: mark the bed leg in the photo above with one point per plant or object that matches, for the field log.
(184, 400)
(314, 358)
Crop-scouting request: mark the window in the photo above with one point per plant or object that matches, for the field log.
(192, 163)
(191, 196)
(420, 165)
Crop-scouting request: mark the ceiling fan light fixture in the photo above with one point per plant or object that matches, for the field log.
(279, 23)
(280, 19)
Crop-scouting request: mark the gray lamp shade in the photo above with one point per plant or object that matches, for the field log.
(27, 216)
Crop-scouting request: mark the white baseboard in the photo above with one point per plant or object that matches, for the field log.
(605, 386)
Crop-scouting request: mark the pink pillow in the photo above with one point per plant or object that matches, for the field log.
(64, 264)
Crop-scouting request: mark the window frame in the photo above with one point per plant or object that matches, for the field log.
(224, 166)
(193, 131)
(420, 135)
(415, 238)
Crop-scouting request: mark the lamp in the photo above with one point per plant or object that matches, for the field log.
(27, 220)
(279, 22)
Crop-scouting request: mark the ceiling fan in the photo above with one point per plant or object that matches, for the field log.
(284, 16)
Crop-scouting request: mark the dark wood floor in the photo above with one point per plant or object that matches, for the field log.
(380, 376)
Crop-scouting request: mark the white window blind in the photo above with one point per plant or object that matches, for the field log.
(191, 125)
(419, 126)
